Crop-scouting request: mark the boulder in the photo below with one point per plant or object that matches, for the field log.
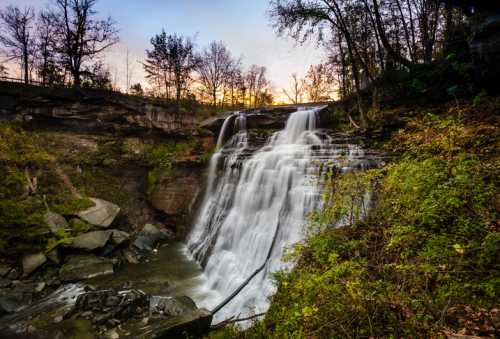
(171, 306)
(149, 236)
(55, 222)
(194, 324)
(31, 262)
(90, 241)
(81, 267)
(102, 214)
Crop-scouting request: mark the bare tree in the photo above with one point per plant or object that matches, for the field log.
(157, 65)
(234, 82)
(129, 71)
(183, 62)
(257, 86)
(48, 70)
(17, 37)
(214, 68)
(316, 84)
(81, 36)
(296, 89)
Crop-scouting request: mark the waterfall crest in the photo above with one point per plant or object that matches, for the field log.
(253, 194)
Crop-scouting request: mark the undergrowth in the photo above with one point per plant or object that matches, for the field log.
(424, 262)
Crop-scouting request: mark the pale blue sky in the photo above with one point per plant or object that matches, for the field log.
(242, 24)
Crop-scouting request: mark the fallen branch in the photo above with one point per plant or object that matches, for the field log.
(245, 283)
(232, 321)
(352, 121)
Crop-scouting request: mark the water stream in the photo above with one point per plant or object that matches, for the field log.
(254, 196)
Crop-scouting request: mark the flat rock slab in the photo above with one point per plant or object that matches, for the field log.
(102, 214)
(82, 267)
(32, 261)
(193, 324)
(91, 241)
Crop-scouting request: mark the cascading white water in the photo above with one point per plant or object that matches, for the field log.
(253, 198)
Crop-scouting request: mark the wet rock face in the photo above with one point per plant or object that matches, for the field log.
(82, 267)
(149, 236)
(175, 192)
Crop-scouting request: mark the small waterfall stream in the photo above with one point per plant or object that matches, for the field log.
(254, 196)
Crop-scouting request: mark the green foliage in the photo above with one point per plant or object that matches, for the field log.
(71, 205)
(480, 98)
(425, 258)
(20, 146)
(160, 157)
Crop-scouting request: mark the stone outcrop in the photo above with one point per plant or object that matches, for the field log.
(195, 324)
(82, 109)
(102, 214)
(82, 267)
(175, 192)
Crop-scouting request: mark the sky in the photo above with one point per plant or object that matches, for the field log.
(242, 24)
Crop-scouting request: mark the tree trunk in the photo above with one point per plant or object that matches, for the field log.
(77, 81)
(395, 55)
(26, 68)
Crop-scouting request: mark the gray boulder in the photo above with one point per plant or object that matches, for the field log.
(31, 262)
(149, 236)
(171, 306)
(91, 241)
(102, 214)
(82, 267)
(194, 324)
(55, 222)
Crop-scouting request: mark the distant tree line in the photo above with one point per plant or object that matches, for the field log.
(365, 38)
(59, 45)
(175, 70)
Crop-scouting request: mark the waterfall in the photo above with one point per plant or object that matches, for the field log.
(254, 196)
